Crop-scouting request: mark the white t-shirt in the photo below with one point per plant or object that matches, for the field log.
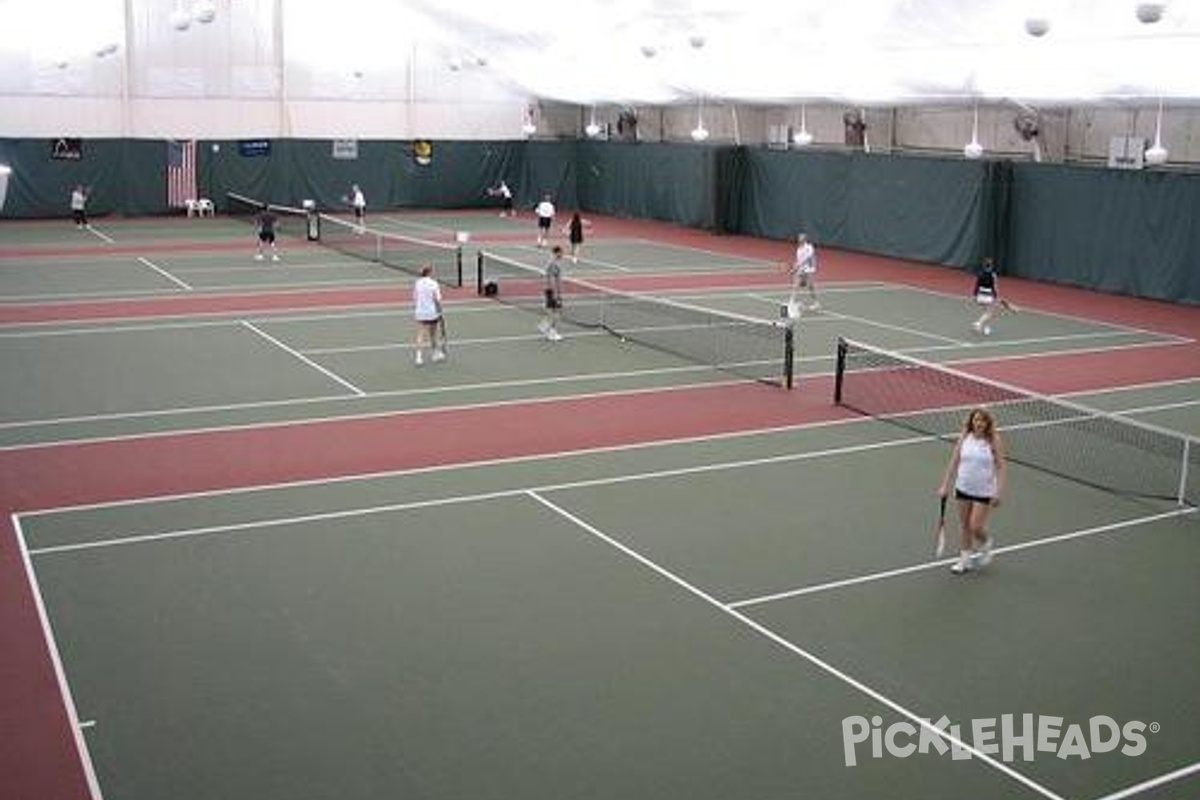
(78, 200)
(427, 299)
(360, 201)
(976, 467)
(545, 210)
(806, 258)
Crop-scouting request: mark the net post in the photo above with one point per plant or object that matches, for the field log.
(458, 265)
(789, 356)
(479, 272)
(842, 348)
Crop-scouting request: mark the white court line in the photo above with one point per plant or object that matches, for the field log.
(305, 359)
(68, 701)
(163, 272)
(93, 229)
(184, 533)
(928, 565)
(1153, 783)
(435, 390)
(795, 649)
(215, 292)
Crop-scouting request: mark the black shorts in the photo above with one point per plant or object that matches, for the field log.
(961, 495)
(553, 301)
(544, 223)
(266, 236)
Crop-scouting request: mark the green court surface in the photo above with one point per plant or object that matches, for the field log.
(696, 619)
(752, 615)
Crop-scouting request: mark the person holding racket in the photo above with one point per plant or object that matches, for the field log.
(505, 194)
(359, 201)
(427, 313)
(79, 200)
(978, 471)
(545, 218)
(804, 275)
(265, 227)
(574, 231)
(554, 296)
(987, 297)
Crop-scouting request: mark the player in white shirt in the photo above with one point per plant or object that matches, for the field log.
(977, 469)
(804, 274)
(359, 201)
(427, 313)
(545, 218)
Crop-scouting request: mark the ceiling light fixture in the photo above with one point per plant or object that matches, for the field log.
(181, 19)
(1149, 13)
(973, 149)
(1037, 26)
(802, 137)
(204, 12)
(700, 133)
(1157, 154)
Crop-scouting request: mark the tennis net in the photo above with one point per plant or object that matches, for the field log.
(752, 348)
(1056, 436)
(393, 250)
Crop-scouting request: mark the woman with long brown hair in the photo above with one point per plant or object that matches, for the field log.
(977, 469)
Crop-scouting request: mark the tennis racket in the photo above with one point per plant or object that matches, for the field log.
(939, 530)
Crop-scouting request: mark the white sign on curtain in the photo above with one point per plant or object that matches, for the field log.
(345, 149)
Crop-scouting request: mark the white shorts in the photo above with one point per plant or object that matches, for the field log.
(985, 298)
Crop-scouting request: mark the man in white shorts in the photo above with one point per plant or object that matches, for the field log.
(804, 275)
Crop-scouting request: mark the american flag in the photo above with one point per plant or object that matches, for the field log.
(181, 173)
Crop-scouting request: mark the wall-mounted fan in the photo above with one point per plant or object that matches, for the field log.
(627, 124)
(856, 128)
(1028, 124)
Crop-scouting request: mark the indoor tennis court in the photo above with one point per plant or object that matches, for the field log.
(543, 568)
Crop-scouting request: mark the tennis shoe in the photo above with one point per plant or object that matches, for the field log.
(544, 327)
(814, 306)
(275, 257)
(439, 355)
(987, 330)
(965, 563)
(258, 256)
(554, 335)
(983, 555)
(420, 359)
(977, 325)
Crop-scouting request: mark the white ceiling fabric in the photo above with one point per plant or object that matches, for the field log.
(858, 51)
(637, 52)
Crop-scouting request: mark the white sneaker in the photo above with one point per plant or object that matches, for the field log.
(983, 555)
(543, 327)
(987, 330)
(420, 358)
(274, 256)
(977, 325)
(258, 256)
(554, 335)
(964, 564)
(439, 355)
(815, 306)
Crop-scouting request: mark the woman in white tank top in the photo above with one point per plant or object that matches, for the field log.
(977, 468)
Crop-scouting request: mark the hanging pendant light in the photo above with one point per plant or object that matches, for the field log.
(1157, 154)
(973, 149)
(802, 137)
